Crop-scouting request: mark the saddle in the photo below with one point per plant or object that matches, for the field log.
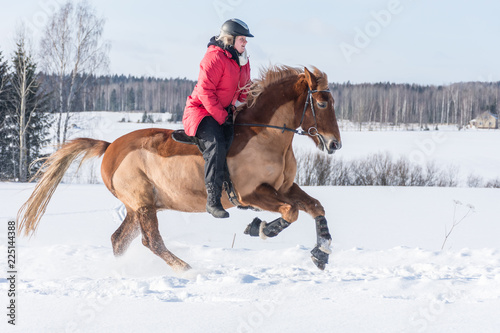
(181, 137)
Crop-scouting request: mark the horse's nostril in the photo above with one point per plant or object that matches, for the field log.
(335, 145)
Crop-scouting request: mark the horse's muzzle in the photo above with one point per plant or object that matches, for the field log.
(331, 145)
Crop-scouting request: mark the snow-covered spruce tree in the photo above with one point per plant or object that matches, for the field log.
(28, 118)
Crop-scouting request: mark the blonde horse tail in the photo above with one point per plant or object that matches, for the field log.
(51, 174)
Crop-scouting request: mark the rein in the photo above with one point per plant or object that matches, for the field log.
(312, 131)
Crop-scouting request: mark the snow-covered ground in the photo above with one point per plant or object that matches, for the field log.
(467, 152)
(387, 272)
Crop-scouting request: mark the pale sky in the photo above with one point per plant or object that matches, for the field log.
(403, 41)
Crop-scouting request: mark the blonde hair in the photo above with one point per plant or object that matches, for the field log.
(227, 39)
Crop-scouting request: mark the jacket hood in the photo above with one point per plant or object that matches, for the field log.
(234, 54)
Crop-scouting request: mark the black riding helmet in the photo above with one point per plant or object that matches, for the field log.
(236, 27)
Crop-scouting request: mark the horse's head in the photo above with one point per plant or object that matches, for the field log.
(315, 106)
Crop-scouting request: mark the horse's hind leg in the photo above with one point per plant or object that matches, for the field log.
(152, 239)
(314, 208)
(125, 234)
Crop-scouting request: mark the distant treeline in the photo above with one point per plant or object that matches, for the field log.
(128, 93)
(385, 103)
(399, 104)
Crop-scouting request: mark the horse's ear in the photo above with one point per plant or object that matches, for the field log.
(312, 81)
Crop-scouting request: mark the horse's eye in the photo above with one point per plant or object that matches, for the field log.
(322, 105)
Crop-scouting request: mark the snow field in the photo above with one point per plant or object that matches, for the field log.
(386, 272)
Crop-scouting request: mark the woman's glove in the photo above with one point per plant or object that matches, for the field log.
(230, 111)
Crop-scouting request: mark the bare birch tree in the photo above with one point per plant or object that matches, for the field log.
(72, 47)
(24, 84)
(27, 108)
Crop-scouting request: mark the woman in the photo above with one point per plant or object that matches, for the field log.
(224, 71)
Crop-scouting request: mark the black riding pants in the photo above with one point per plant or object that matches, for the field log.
(215, 141)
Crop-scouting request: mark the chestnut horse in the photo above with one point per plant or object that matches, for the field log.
(148, 171)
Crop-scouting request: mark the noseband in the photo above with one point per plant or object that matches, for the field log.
(312, 131)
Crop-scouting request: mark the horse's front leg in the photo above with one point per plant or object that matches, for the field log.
(314, 208)
(288, 204)
(267, 198)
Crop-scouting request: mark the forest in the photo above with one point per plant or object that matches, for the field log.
(127, 93)
(405, 104)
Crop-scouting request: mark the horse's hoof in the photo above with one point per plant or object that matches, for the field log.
(320, 264)
(319, 258)
(253, 229)
(182, 267)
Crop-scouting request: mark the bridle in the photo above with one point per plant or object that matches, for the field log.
(312, 131)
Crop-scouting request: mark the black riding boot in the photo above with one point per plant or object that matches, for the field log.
(215, 144)
(214, 206)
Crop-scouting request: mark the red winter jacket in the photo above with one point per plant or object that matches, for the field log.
(218, 86)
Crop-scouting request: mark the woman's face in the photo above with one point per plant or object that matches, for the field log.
(240, 43)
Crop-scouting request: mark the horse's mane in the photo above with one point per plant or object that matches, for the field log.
(277, 73)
